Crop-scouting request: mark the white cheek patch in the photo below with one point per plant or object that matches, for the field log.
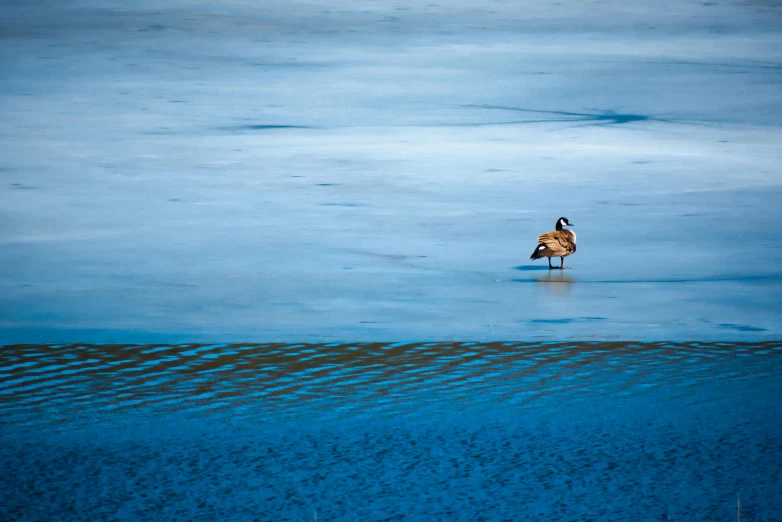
(562, 222)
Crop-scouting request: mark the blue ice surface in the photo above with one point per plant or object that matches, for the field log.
(190, 172)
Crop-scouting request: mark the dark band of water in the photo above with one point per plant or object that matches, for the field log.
(419, 431)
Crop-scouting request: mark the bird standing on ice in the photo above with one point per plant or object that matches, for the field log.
(557, 243)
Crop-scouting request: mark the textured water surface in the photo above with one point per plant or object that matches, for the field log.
(463, 431)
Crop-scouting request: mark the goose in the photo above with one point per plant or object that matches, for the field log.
(556, 243)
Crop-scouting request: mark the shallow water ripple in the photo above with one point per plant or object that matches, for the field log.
(49, 385)
(416, 431)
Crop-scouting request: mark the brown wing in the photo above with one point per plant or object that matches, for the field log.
(557, 243)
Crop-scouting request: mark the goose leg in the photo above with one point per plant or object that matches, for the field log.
(561, 262)
(549, 263)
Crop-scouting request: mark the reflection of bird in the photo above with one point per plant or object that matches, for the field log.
(556, 283)
(557, 243)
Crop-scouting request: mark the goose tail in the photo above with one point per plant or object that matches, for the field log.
(538, 252)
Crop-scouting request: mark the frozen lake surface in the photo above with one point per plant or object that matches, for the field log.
(355, 171)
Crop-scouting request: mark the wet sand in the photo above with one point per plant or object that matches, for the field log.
(361, 173)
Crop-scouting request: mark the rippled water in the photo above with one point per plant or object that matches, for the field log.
(50, 384)
(380, 431)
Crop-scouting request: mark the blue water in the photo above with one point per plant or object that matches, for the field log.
(428, 431)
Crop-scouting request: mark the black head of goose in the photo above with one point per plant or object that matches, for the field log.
(556, 243)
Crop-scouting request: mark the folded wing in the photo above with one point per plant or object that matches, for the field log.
(558, 243)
